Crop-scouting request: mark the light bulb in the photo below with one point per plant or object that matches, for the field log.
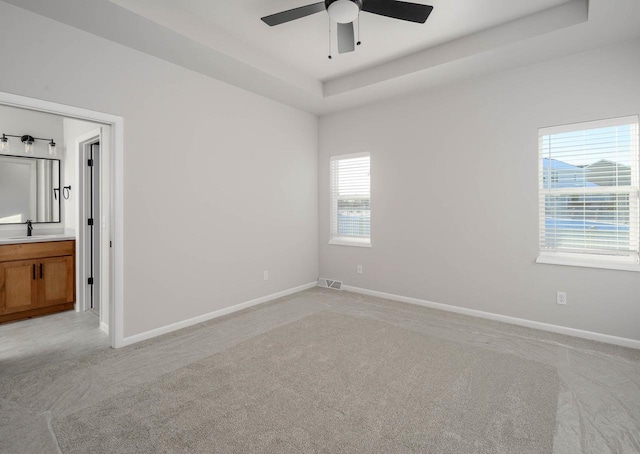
(343, 11)
(28, 143)
(52, 148)
(5, 146)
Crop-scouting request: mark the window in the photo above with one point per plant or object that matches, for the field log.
(350, 200)
(588, 191)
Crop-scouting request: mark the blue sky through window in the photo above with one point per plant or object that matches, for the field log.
(583, 148)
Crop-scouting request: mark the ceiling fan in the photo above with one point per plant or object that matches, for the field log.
(345, 12)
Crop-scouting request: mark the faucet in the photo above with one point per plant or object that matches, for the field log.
(29, 227)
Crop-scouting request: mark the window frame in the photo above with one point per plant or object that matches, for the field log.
(333, 207)
(587, 259)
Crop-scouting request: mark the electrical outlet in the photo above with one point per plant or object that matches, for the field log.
(359, 269)
(266, 275)
(561, 298)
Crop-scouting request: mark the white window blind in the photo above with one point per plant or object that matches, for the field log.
(588, 190)
(350, 199)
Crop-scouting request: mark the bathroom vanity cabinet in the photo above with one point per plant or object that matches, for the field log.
(36, 279)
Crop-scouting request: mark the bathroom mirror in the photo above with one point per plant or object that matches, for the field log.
(29, 189)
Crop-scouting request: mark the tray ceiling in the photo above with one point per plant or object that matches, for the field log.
(303, 44)
(288, 63)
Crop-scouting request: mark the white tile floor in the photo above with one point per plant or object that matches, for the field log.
(37, 342)
(49, 369)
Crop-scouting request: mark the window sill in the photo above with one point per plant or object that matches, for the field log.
(350, 242)
(585, 263)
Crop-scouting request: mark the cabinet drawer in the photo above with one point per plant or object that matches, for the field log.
(28, 251)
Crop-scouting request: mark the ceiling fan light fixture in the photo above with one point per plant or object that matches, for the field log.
(343, 11)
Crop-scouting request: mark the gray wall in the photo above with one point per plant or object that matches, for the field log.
(220, 184)
(454, 192)
(22, 121)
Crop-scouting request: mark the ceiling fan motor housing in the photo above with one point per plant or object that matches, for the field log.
(343, 11)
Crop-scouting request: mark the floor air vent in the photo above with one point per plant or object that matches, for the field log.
(328, 283)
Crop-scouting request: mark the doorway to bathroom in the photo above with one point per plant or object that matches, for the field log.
(91, 206)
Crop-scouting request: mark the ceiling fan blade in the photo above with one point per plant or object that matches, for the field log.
(412, 12)
(346, 40)
(293, 14)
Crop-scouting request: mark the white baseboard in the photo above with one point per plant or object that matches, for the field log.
(211, 315)
(104, 327)
(606, 338)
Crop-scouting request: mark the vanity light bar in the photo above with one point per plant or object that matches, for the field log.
(28, 141)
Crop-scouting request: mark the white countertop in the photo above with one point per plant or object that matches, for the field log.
(17, 239)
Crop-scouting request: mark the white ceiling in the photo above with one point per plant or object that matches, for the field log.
(303, 44)
(225, 39)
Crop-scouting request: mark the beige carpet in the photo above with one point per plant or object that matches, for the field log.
(330, 383)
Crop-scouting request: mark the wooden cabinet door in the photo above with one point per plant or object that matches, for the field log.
(56, 281)
(18, 286)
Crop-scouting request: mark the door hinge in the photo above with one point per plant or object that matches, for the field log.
(90, 162)
(90, 281)
(90, 221)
